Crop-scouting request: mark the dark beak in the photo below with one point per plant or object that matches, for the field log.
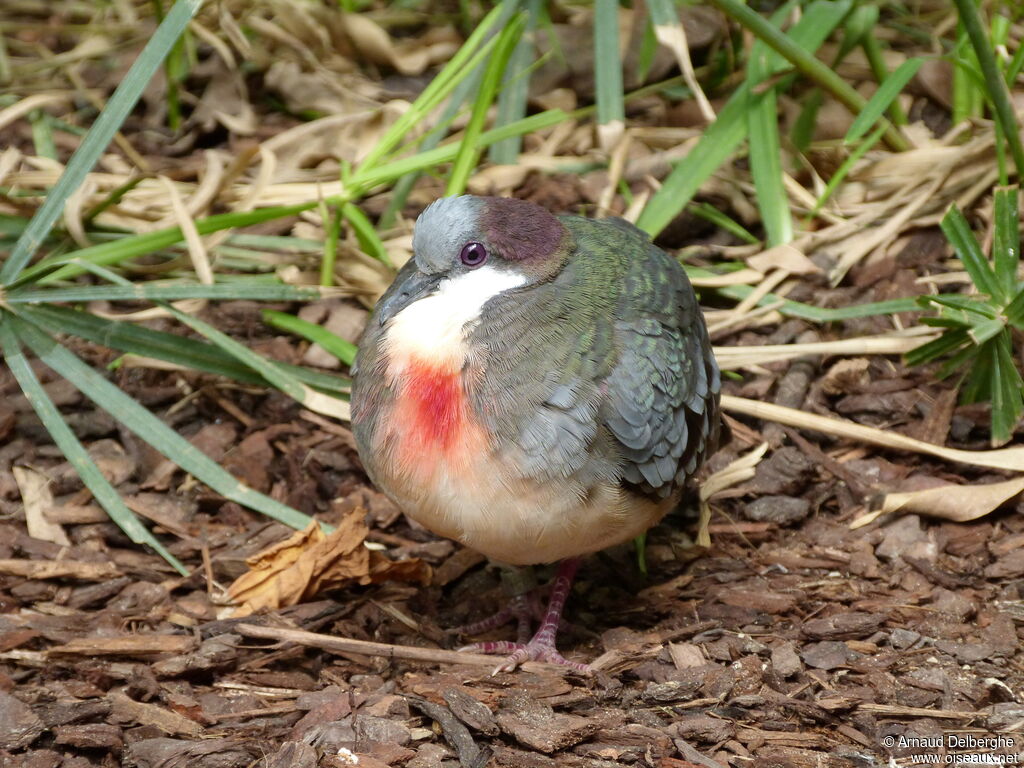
(405, 291)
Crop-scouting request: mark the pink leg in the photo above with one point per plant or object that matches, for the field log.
(541, 647)
(520, 607)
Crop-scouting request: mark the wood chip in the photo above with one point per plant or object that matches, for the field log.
(129, 645)
(894, 710)
(58, 569)
(127, 710)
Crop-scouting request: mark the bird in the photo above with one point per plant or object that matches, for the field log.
(538, 387)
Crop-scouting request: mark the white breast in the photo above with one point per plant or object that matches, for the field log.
(433, 328)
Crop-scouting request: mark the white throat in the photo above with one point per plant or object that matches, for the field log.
(433, 328)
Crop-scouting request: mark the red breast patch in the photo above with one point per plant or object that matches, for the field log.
(432, 409)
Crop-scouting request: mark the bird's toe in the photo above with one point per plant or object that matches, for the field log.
(535, 650)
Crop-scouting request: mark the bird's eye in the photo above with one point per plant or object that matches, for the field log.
(473, 254)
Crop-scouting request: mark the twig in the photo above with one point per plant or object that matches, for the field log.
(894, 710)
(387, 650)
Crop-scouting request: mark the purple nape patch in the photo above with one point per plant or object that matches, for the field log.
(520, 230)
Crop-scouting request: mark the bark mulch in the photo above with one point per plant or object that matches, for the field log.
(792, 641)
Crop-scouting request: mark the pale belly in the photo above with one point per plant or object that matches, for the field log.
(475, 502)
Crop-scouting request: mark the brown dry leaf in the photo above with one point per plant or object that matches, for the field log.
(409, 57)
(783, 257)
(935, 77)
(958, 503)
(37, 498)
(413, 569)
(226, 101)
(310, 561)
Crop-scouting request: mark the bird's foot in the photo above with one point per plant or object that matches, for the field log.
(537, 649)
(541, 647)
(521, 608)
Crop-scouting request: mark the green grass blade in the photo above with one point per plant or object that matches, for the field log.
(73, 450)
(968, 82)
(936, 348)
(469, 149)
(710, 213)
(723, 136)
(802, 133)
(404, 185)
(50, 270)
(803, 59)
(177, 350)
(1013, 69)
(883, 98)
(964, 306)
(715, 147)
(984, 330)
(284, 381)
(995, 86)
(765, 152)
(873, 52)
(1006, 240)
(96, 141)
(977, 387)
(367, 236)
(458, 68)
(151, 429)
(459, 94)
(387, 172)
(1014, 311)
(331, 217)
(959, 234)
(844, 169)
(337, 346)
(1007, 388)
(611, 111)
(859, 26)
(515, 88)
(160, 291)
(792, 308)
(42, 134)
(967, 354)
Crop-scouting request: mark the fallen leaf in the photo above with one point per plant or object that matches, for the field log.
(409, 57)
(783, 257)
(310, 562)
(958, 503)
(37, 498)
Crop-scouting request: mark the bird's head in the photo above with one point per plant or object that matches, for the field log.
(479, 247)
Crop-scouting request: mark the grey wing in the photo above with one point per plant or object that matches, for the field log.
(662, 405)
(550, 350)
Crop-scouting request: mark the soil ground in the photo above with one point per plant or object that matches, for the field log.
(793, 640)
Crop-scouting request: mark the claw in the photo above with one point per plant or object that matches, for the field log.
(541, 647)
(535, 650)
